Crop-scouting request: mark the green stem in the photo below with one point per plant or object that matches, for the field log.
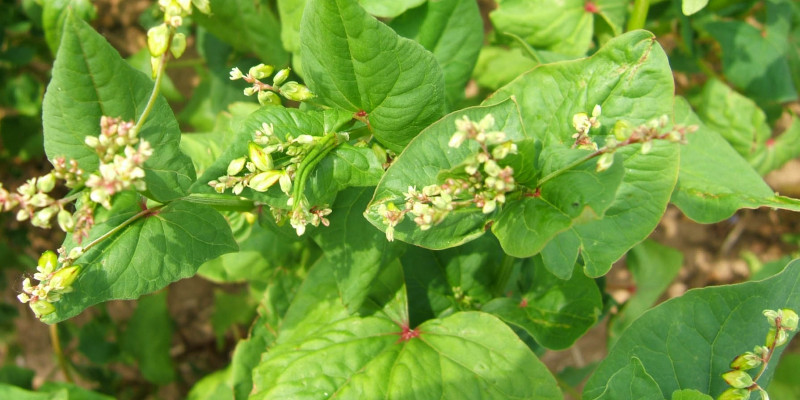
(222, 202)
(154, 95)
(313, 158)
(121, 226)
(62, 361)
(638, 15)
(506, 267)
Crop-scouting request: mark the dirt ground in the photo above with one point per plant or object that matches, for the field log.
(711, 257)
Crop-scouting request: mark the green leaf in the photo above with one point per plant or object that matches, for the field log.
(689, 7)
(17, 376)
(90, 80)
(555, 312)
(468, 355)
(565, 27)
(653, 266)
(230, 309)
(689, 341)
(356, 63)
(631, 382)
(213, 386)
(73, 392)
(754, 62)
(291, 15)
(248, 26)
(146, 255)
(419, 166)
(785, 385)
(357, 250)
(148, 338)
(631, 79)
(54, 12)
(12, 392)
(714, 180)
(690, 394)
(388, 9)
(497, 66)
(453, 31)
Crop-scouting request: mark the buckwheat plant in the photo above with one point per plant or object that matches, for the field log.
(742, 383)
(268, 94)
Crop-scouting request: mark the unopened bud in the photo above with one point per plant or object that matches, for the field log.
(263, 181)
(91, 141)
(738, 379)
(268, 98)
(158, 40)
(647, 146)
(48, 260)
(63, 278)
(236, 166)
(746, 361)
(261, 71)
(286, 183)
(249, 91)
(605, 162)
(621, 130)
(734, 394)
(178, 45)
(75, 253)
(261, 160)
(281, 76)
(295, 91)
(788, 319)
(46, 183)
(203, 5)
(42, 308)
(65, 221)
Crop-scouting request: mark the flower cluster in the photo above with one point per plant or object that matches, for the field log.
(163, 37)
(742, 384)
(52, 284)
(268, 94)
(258, 171)
(483, 183)
(582, 124)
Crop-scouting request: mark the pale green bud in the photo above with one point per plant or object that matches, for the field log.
(263, 181)
(261, 71)
(281, 76)
(64, 277)
(178, 45)
(236, 166)
(295, 91)
(261, 160)
(42, 217)
(75, 253)
(596, 111)
(771, 315)
(746, 361)
(738, 379)
(249, 91)
(48, 260)
(46, 183)
(186, 5)
(42, 308)
(65, 221)
(621, 130)
(286, 183)
(268, 98)
(158, 40)
(647, 146)
(457, 139)
(91, 141)
(605, 162)
(734, 394)
(789, 319)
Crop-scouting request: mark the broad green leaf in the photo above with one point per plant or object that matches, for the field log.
(420, 164)
(690, 394)
(146, 255)
(54, 12)
(754, 62)
(555, 312)
(468, 355)
(357, 249)
(562, 26)
(230, 309)
(148, 338)
(689, 341)
(439, 283)
(356, 63)
(213, 386)
(498, 66)
(689, 7)
(453, 31)
(631, 382)
(631, 79)
(291, 14)
(653, 267)
(245, 357)
(248, 26)
(12, 392)
(782, 149)
(90, 80)
(714, 180)
(577, 196)
(17, 376)
(389, 8)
